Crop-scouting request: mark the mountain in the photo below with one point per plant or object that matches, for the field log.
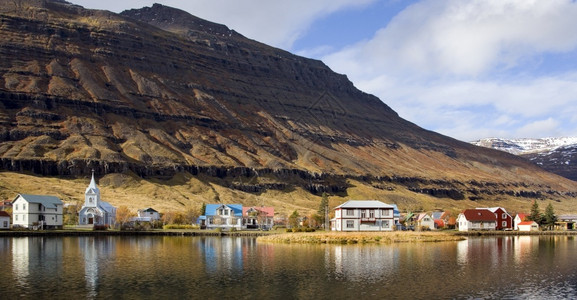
(174, 111)
(557, 155)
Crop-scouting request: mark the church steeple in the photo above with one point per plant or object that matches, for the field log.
(92, 194)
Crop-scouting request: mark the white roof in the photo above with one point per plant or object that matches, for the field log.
(494, 209)
(364, 204)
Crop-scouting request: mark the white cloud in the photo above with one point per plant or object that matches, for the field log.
(456, 37)
(467, 68)
(277, 23)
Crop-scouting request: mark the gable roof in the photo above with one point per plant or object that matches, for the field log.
(210, 209)
(479, 214)
(421, 216)
(522, 216)
(46, 201)
(528, 223)
(269, 211)
(364, 204)
(150, 210)
(494, 209)
(4, 214)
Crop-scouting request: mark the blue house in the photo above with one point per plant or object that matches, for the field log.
(222, 216)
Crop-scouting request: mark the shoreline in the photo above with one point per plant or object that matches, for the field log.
(55, 233)
(298, 237)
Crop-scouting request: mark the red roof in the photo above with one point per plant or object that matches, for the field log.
(527, 223)
(440, 223)
(269, 211)
(479, 215)
(4, 214)
(522, 216)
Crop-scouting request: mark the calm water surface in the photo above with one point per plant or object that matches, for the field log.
(225, 268)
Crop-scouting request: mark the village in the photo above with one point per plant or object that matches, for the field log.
(40, 212)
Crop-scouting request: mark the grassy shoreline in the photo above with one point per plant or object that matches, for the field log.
(360, 237)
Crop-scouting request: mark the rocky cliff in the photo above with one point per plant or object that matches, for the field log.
(157, 92)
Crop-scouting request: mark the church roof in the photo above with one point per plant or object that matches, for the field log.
(106, 206)
(92, 188)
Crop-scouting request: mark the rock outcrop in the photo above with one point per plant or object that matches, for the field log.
(156, 91)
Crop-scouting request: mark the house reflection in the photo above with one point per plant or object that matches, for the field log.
(36, 258)
(364, 263)
(223, 254)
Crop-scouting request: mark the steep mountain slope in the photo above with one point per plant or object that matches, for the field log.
(156, 92)
(557, 155)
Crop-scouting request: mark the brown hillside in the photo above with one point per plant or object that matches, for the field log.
(156, 93)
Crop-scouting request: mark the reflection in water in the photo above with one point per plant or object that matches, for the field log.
(213, 267)
(365, 263)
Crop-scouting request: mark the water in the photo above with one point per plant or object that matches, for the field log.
(522, 267)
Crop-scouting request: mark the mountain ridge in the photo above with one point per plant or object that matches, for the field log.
(152, 93)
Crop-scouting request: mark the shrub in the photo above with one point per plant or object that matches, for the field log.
(309, 229)
(100, 227)
(288, 230)
(233, 229)
(179, 226)
(218, 229)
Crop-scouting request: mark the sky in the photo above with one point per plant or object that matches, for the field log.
(467, 69)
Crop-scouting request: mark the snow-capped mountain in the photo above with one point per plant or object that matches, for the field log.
(525, 146)
(557, 155)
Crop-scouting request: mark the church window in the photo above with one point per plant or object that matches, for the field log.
(90, 199)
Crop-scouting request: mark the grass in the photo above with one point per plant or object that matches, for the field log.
(360, 237)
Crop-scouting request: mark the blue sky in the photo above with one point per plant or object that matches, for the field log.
(466, 69)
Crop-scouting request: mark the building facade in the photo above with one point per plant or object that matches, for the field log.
(476, 219)
(95, 211)
(37, 211)
(4, 220)
(363, 215)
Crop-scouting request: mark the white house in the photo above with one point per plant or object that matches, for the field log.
(363, 215)
(476, 219)
(424, 220)
(225, 216)
(147, 215)
(95, 211)
(4, 220)
(37, 210)
(518, 219)
(528, 226)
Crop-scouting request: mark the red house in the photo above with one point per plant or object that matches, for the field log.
(504, 219)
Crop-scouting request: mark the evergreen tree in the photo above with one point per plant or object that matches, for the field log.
(294, 219)
(203, 209)
(323, 208)
(535, 213)
(549, 218)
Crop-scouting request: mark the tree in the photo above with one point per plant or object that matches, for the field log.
(323, 211)
(203, 209)
(549, 218)
(294, 219)
(535, 213)
(123, 215)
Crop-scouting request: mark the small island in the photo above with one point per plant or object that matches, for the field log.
(360, 237)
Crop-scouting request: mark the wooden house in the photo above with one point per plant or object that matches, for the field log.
(528, 226)
(4, 220)
(363, 215)
(37, 211)
(476, 219)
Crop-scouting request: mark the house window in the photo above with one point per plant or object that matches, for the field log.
(371, 213)
(386, 212)
(350, 224)
(16, 217)
(386, 224)
(504, 224)
(363, 213)
(24, 206)
(5, 223)
(504, 216)
(350, 212)
(16, 207)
